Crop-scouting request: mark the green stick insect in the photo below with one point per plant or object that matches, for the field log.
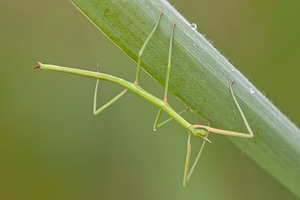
(196, 130)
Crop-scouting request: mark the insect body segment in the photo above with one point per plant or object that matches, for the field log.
(196, 130)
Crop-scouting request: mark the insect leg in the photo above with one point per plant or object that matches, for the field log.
(167, 77)
(143, 48)
(97, 111)
(232, 133)
(187, 173)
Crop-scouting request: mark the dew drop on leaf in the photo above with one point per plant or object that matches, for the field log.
(194, 26)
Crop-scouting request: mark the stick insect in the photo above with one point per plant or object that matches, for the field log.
(201, 131)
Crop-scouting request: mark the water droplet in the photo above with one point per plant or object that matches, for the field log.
(194, 26)
(154, 129)
(252, 91)
(194, 45)
(232, 69)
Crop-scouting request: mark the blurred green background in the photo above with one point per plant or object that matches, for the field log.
(53, 147)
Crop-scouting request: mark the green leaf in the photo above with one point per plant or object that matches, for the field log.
(200, 77)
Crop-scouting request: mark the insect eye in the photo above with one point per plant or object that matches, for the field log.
(202, 135)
